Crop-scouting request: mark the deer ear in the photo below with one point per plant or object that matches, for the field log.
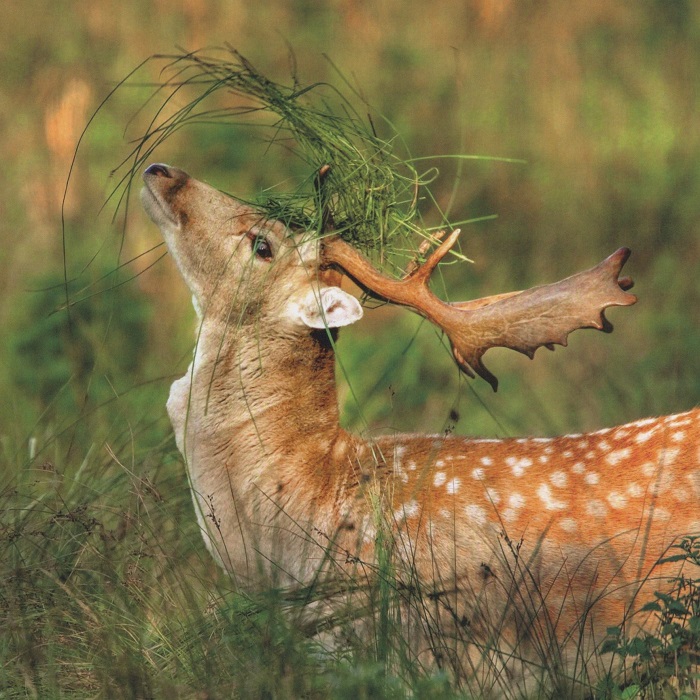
(329, 307)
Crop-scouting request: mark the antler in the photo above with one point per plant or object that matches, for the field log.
(522, 321)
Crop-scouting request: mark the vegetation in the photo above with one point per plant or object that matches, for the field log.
(106, 587)
(372, 194)
(665, 663)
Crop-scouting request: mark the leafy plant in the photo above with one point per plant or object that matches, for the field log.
(668, 661)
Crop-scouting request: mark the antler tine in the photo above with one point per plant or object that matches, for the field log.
(423, 272)
(327, 222)
(332, 277)
(522, 321)
(423, 248)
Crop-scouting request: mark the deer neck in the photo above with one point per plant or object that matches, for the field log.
(256, 404)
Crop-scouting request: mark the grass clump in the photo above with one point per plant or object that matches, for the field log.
(372, 192)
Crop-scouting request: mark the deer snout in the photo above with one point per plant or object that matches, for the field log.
(162, 182)
(161, 171)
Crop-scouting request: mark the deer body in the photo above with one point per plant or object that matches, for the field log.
(539, 542)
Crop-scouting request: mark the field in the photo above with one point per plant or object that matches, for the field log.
(584, 120)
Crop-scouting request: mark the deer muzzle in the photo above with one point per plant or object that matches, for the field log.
(162, 183)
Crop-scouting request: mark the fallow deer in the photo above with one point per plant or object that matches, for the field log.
(522, 550)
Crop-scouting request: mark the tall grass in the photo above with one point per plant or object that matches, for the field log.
(107, 591)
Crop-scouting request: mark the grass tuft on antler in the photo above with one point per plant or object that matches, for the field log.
(372, 192)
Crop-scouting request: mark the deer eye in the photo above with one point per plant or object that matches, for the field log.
(261, 247)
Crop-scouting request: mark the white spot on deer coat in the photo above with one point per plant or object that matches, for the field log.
(568, 524)
(578, 468)
(398, 470)
(617, 456)
(508, 514)
(493, 496)
(668, 456)
(694, 479)
(617, 500)
(369, 534)
(409, 509)
(478, 473)
(518, 465)
(678, 421)
(439, 479)
(592, 478)
(550, 503)
(453, 485)
(486, 461)
(475, 513)
(596, 508)
(516, 501)
(681, 495)
(644, 436)
(634, 490)
(559, 479)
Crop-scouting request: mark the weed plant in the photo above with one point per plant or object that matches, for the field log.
(667, 663)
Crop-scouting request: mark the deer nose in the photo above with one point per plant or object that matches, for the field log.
(158, 169)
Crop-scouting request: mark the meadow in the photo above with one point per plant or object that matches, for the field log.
(584, 120)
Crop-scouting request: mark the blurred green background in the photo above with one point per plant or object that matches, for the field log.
(107, 589)
(599, 99)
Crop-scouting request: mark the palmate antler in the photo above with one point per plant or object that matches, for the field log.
(522, 321)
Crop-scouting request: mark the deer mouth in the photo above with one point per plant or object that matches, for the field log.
(160, 212)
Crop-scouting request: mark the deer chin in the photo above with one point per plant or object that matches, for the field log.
(160, 214)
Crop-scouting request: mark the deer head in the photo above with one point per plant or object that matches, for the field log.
(225, 251)
(238, 264)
